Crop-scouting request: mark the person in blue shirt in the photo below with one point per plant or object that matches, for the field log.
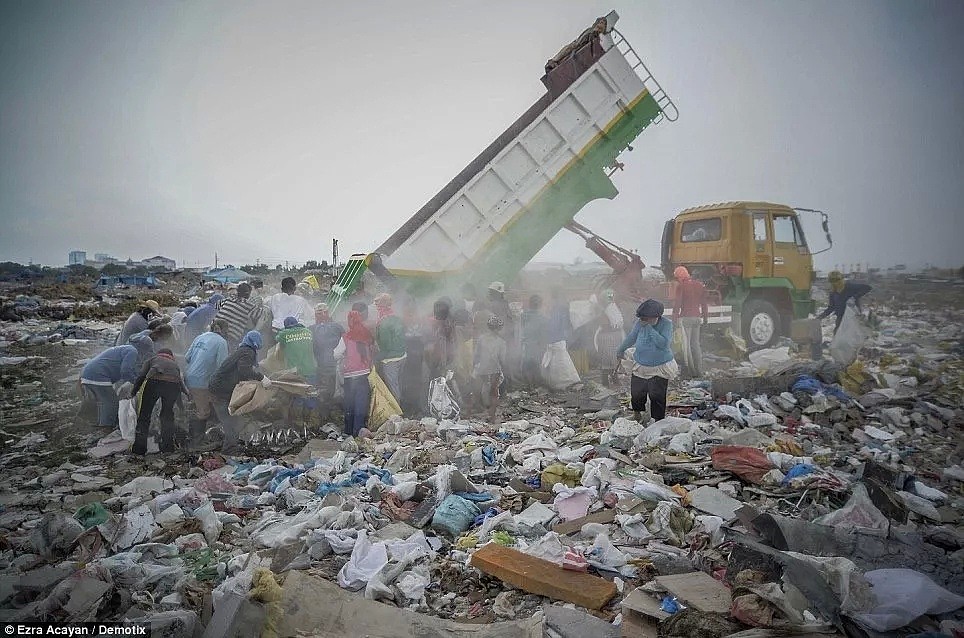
(112, 366)
(206, 354)
(653, 362)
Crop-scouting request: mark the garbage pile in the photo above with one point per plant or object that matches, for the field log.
(816, 499)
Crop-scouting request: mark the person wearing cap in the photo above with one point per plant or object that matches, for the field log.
(241, 315)
(161, 379)
(490, 358)
(609, 334)
(296, 345)
(390, 341)
(118, 364)
(355, 352)
(842, 291)
(239, 366)
(138, 320)
(653, 362)
(690, 312)
(203, 358)
(326, 334)
(200, 320)
(288, 304)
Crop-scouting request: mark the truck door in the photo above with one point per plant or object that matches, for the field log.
(762, 245)
(791, 258)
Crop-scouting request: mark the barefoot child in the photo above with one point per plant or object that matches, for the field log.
(490, 354)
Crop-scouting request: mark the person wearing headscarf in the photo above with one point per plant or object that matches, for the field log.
(609, 334)
(490, 358)
(239, 366)
(691, 311)
(390, 339)
(841, 291)
(355, 352)
(138, 320)
(326, 335)
(161, 379)
(653, 362)
(296, 345)
(200, 320)
(204, 356)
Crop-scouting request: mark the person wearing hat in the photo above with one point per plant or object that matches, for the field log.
(296, 345)
(609, 334)
(326, 334)
(241, 315)
(841, 291)
(691, 312)
(138, 320)
(203, 358)
(390, 341)
(490, 357)
(239, 366)
(653, 362)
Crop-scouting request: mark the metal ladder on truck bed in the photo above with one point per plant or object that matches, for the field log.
(667, 108)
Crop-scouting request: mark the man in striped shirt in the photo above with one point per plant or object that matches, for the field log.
(241, 315)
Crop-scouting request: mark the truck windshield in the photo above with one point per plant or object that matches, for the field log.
(786, 230)
(701, 230)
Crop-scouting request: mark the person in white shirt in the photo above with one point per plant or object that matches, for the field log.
(287, 304)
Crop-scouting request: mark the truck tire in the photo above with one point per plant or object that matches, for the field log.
(761, 324)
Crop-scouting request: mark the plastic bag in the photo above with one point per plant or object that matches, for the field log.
(366, 560)
(560, 372)
(904, 595)
(850, 337)
(383, 405)
(769, 358)
(127, 418)
(454, 515)
(441, 400)
(750, 464)
(858, 513)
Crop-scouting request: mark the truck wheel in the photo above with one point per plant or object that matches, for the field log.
(761, 324)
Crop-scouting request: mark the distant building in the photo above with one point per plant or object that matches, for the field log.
(104, 258)
(77, 257)
(157, 261)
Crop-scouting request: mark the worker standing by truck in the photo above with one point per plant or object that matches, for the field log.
(841, 291)
(691, 311)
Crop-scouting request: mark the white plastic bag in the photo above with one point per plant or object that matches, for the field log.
(904, 595)
(366, 560)
(560, 372)
(850, 337)
(768, 358)
(859, 513)
(127, 418)
(441, 401)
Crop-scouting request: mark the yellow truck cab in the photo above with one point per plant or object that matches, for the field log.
(754, 259)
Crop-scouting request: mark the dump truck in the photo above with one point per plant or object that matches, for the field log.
(756, 263)
(490, 220)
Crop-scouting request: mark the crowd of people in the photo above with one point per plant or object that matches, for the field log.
(481, 346)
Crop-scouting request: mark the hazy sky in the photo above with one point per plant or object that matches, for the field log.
(264, 129)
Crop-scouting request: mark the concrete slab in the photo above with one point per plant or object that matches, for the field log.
(562, 622)
(322, 608)
(713, 501)
(699, 591)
